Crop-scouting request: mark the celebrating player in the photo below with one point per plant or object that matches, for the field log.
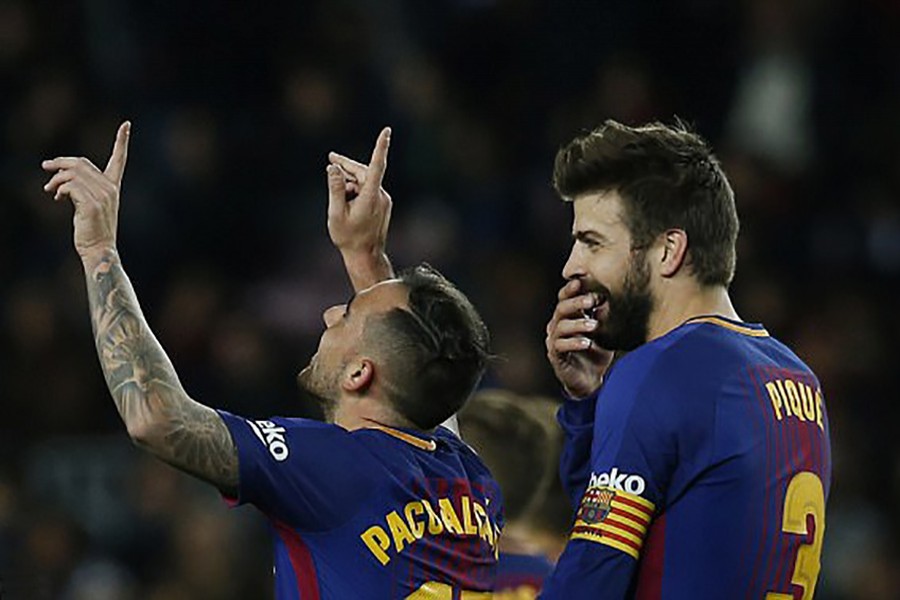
(379, 502)
(701, 466)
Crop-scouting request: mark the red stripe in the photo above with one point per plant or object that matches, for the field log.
(756, 377)
(634, 504)
(301, 560)
(775, 495)
(650, 575)
(631, 517)
(622, 539)
(625, 527)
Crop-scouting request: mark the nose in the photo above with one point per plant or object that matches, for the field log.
(332, 315)
(573, 269)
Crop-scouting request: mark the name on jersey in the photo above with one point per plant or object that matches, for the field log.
(792, 399)
(400, 529)
(272, 437)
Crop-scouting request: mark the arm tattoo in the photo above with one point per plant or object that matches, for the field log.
(159, 414)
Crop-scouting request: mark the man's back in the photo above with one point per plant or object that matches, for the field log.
(370, 513)
(709, 471)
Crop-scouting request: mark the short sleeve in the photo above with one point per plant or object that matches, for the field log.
(309, 474)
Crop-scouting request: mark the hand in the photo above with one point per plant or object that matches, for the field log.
(95, 194)
(359, 209)
(578, 362)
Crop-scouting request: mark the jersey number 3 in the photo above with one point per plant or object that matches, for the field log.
(805, 497)
(441, 591)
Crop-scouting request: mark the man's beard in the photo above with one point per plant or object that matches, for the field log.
(627, 322)
(322, 388)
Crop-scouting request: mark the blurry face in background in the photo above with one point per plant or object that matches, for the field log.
(342, 341)
(603, 259)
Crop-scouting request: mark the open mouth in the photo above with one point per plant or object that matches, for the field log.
(600, 309)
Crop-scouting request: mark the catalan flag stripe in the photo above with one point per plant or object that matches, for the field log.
(631, 513)
(611, 541)
(623, 524)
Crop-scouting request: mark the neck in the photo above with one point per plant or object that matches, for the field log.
(685, 304)
(363, 413)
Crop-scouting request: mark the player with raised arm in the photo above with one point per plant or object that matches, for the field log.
(377, 502)
(699, 462)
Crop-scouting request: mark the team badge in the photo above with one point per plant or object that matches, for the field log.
(595, 505)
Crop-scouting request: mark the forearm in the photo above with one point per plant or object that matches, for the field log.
(157, 412)
(577, 421)
(365, 269)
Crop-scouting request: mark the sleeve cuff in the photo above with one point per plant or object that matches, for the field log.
(577, 412)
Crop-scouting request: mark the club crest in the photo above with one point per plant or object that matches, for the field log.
(596, 505)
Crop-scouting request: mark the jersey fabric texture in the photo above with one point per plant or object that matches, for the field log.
(371, 513)
(700, 469)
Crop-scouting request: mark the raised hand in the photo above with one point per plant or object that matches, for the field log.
(578, 362)
(94, 193)
(359, 213)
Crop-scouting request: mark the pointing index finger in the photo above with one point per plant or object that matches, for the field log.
(115, 168)
(378, 163)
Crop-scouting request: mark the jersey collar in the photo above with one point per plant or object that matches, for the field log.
(421, 443)
(751, 329)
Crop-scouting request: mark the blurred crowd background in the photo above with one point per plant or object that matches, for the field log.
(235, 105)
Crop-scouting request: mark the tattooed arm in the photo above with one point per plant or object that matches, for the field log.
(157, 412)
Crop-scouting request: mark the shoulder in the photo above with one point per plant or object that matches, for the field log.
(695, 354)
(674, 377)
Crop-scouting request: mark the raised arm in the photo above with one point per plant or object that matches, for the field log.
(157, 412)
(359, 214)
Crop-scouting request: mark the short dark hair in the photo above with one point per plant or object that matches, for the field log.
(437, 348)
(668, 178)
(515, 442)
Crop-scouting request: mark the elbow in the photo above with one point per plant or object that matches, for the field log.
(145, 434)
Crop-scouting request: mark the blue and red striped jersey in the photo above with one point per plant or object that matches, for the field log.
(370, 513)
(700, 469)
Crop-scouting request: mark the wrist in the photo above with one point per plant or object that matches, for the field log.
(92, 258)
(580, 395)
(370, 264)
(364, 255)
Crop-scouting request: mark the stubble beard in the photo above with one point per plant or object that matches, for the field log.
(321, 387)
(628, 320)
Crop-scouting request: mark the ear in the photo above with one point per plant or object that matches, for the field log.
(359, 376)
(674, 252)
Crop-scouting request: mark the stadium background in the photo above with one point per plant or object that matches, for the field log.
(222, 228)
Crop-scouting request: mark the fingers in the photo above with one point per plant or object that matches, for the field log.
(570, 289)
(355, 170)
(572, 307)
(337, 191)
(574, 327)
(567, 335)
(59, 178)
(71, 169)
(73, 189)
(565, 345)
(67, 162)
(115, 168)
(370, 175)
(378, 162)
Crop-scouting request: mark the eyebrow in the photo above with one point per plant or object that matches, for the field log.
(590, 235)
